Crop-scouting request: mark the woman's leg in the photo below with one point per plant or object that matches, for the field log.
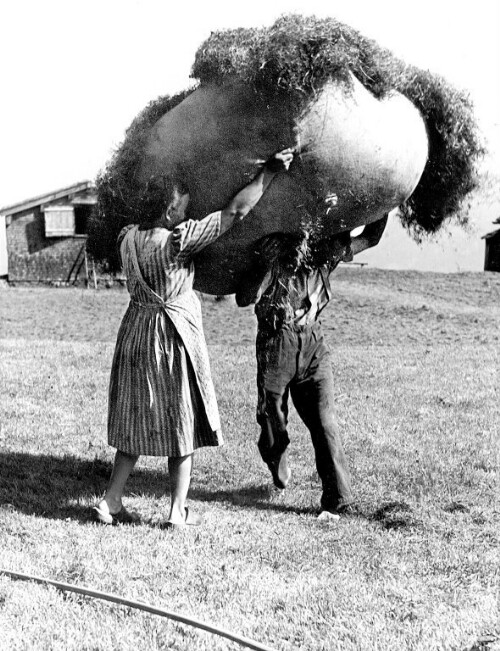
(123, 466)
(179, 470)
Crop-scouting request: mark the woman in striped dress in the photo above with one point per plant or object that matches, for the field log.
(161, 396)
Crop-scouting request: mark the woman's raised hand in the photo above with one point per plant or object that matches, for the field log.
(280, 161)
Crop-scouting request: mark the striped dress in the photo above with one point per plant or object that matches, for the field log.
(161, 396)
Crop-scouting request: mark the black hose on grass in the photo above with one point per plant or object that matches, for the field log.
(249, 644)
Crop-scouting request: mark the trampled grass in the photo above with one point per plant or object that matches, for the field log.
(416, 362)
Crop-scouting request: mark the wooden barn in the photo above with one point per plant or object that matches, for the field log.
(492, 249)
(43, 239)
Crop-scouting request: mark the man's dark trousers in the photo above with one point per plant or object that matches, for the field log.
(296, 361)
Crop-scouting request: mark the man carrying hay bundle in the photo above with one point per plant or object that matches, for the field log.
(293, 358)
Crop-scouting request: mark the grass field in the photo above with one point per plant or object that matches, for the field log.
(417, 367)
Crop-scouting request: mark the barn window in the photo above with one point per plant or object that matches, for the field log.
(59, 221)
(82, 215)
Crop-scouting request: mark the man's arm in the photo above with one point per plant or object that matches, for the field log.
(330, 251)
(247, 198)
(369, 237)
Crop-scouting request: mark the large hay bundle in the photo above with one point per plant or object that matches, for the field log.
(366, 127)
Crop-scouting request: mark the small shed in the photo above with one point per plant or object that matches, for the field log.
(492, 249)
(43, 239)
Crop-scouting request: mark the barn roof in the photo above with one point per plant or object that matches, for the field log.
(490, 235)
(493, 233)
(47, 198)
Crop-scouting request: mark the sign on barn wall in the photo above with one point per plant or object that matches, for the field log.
(59, 221)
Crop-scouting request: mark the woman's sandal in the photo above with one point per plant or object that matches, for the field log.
(122, 517)
(191, 520)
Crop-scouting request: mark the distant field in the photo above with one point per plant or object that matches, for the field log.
(416, 358)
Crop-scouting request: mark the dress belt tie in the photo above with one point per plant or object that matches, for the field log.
(155, 304)
(158, 303)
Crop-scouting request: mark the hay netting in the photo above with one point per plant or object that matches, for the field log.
(296, 57)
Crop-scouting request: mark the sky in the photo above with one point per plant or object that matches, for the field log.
(74, 74)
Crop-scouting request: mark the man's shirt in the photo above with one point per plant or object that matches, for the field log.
(286, 293)
(297, 297)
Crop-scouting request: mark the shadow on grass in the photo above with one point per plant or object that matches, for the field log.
(65, 487)
(252, 496)
(395, 515)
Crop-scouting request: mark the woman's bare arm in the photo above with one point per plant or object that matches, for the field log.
(249, 196)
